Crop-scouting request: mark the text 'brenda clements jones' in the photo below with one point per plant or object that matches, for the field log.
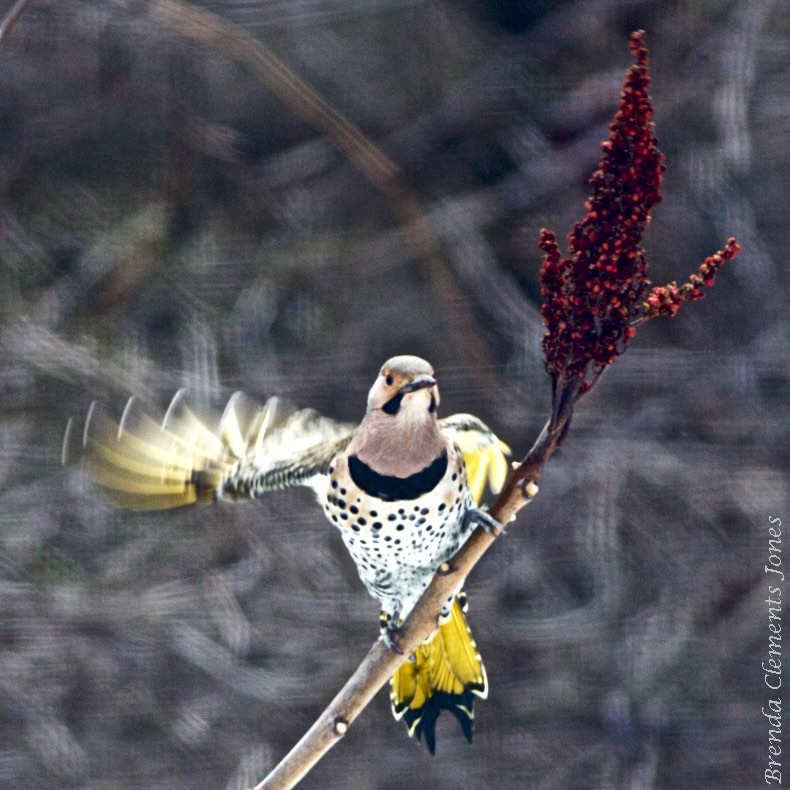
(773, 669)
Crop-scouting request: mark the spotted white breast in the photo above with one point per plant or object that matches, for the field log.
(398, 543)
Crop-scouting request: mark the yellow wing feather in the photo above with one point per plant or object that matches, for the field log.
(147, 465)
(484, 453)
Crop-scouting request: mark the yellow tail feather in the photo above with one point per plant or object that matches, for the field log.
(446, 674)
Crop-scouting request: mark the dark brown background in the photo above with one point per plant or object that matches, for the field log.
(167, 221)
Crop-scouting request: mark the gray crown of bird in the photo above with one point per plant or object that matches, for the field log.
(401, 487)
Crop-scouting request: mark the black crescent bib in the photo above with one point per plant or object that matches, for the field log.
(393, 489)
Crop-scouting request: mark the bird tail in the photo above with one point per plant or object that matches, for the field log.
(447, 673)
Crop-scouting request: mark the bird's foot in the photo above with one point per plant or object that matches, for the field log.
(488, 523)
(389, 636)
(390, 630)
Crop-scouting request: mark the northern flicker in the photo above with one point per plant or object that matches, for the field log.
(401, 487)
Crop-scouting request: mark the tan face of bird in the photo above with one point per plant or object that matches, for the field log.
(405, 390)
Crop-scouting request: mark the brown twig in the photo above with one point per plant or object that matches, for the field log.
(380, 662)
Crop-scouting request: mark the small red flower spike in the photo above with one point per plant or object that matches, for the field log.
(591, 297)
(666, 299)
(594, 298)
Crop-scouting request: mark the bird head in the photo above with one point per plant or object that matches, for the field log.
(405, 389)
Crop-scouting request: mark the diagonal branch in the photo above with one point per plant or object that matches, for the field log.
(381, 662)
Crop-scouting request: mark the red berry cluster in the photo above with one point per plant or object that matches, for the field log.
(591, 297)
(666, 299)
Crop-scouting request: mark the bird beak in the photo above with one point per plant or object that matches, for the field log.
(420, 382)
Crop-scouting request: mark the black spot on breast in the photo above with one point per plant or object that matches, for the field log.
(391, 488)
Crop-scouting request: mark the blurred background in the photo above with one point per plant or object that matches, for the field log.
(170, 217)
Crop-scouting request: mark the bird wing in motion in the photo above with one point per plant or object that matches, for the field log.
(146, 464)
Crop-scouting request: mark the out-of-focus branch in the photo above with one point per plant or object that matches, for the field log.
(12, 17)
(211, 31)
(381, 662)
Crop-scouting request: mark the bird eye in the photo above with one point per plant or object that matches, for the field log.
(389, 379)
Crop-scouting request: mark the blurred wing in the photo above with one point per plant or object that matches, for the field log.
(147, 464)
(278, 446)
(484, 453)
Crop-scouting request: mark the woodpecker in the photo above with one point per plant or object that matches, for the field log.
(401, 487)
